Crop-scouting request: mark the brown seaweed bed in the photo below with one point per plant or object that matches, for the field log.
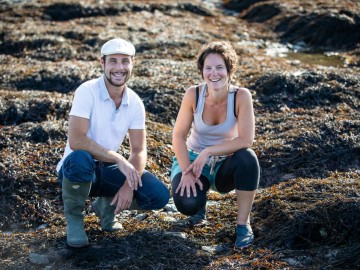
(307, 211)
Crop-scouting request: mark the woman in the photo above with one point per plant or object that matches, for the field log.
(217, 153)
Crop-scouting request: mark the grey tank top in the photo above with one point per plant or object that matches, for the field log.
(203, 135)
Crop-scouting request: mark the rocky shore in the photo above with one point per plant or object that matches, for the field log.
(301, 62)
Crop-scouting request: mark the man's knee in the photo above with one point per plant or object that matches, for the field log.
(153, 194)
(163, 197)
(80, 155)
(79, 166)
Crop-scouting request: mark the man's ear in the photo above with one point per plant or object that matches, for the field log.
(102, 61)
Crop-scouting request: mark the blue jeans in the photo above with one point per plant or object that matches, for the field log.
(107, 179)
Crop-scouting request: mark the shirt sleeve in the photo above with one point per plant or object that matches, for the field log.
(139, 115)
(83, 102)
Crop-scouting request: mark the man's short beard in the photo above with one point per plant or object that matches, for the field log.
(117, 85)
(111, 82)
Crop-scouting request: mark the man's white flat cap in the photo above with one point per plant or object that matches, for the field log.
(118, 46)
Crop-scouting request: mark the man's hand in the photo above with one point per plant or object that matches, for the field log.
(123, 198)
(133, 177)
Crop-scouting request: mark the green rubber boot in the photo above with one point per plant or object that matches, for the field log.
(105, 212)
(74, 195)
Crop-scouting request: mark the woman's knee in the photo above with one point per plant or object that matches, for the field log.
(79, 166)
(247, 172)
(189, 205)
(246, 156)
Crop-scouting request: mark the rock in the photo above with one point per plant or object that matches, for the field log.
(142, 216)
(170, 219)
(38, 259)
(214, 249)
(288, 176)
(177, 234)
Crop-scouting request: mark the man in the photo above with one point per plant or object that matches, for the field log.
(104, 110)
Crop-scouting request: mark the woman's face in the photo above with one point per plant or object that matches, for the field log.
(214, 71)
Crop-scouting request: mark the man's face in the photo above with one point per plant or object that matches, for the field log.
(117, 68)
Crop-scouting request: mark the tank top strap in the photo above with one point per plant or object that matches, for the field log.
(201, 101)
(231, 101)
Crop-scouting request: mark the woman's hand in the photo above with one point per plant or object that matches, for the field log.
(197, 166)
(187, 183)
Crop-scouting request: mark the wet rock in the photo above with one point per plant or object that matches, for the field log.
(14, 43)
(170, 219)
(44, 80)
(69, 11)
(262, 13)
(318, 27)
(31, 107)
(329, 30)
(176, 234)
(142, 216)
(38, 134)
(293, 262)
(241, 5)
(38, 259)
(214, 249)
(307, 89)
(170, 208)
(287, 177)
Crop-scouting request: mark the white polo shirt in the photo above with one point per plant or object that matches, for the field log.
(108, 126)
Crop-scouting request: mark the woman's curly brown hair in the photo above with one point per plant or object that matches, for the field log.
(223, 48)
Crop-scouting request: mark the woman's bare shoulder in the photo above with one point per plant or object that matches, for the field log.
(243, 93)
(242, 90)
(190, 93)
(191, 89)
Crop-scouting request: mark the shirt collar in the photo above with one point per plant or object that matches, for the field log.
(104, 93)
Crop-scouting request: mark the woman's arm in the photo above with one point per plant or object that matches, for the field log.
(182, 127)
(180, 133)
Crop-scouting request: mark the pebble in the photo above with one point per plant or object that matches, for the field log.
(170, 219)
(141, 217)
(214, 249)
(177, 234)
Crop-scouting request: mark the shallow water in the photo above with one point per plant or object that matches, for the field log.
(301, 53)
(331, 60)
